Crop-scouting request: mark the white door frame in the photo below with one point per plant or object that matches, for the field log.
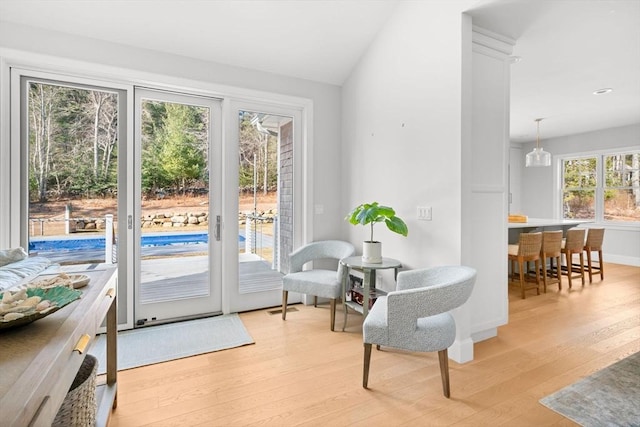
(196, 306)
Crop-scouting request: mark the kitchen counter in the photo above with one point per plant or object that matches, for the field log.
(542, 224)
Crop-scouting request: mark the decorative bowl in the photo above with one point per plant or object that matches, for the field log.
(58, 296)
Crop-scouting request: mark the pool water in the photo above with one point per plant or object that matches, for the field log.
(99, 242)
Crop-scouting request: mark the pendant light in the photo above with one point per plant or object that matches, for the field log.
(538, 157)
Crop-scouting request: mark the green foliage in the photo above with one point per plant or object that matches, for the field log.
(372, 213)
(252, 152)
(174, 145)
(72, 141)
(180, 155)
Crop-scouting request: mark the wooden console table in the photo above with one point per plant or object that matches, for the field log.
(39, 361)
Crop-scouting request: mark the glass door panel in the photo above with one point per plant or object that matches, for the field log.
(178, 259)
(264, 137)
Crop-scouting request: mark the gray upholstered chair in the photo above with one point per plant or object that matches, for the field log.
(416, 316)
(318, 282)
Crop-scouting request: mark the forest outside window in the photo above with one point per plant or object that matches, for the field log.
(603, 187)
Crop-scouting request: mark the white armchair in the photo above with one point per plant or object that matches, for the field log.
(416, 316)
(317, 282)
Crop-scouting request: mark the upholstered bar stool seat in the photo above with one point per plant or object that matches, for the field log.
(527, 250)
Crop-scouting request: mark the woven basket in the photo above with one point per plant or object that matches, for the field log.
(79, 406)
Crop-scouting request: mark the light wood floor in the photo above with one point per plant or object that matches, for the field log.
(300, 373)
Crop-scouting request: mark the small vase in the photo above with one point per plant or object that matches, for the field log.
(372, 252)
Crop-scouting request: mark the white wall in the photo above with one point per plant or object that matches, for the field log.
(539, 186)
(56, 51)
(401, 132)
(402, 125)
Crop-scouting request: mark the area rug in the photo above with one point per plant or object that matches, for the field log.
(155, 344)
(607, 398)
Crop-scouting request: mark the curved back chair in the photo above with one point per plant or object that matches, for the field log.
(595, 237)
(318, 282)
(416, 316)
(552, 249)
(527, 250)
(573, 245)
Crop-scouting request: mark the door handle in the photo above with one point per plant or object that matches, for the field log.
(216, 231)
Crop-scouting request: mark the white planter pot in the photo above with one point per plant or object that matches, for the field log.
(372, 252)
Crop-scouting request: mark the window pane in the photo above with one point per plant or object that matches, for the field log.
(622, 205)
(578, 204)
(579, 173)
(622, 170)
(73, 159)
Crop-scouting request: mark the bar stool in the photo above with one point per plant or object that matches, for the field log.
(527, 250)
(573, 245)
(595, 236)
(552, 249)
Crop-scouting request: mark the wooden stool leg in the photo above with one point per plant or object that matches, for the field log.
(568, 260)
(601, 264)
(582, 266)
(537, 263)
(544, 272)
(559, 273)
(521, 265)
(589, 266)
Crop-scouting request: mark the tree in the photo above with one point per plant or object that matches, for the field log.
(181, 155)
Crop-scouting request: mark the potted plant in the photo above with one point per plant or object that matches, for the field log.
(372, 213)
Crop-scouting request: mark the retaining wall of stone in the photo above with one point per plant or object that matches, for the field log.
(171, 220)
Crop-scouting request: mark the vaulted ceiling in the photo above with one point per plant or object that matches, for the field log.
(568, 48)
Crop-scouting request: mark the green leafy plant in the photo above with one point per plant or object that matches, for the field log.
(372, 213)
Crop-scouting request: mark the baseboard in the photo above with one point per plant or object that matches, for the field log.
(621, 259)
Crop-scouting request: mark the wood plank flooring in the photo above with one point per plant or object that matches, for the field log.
(300, 373)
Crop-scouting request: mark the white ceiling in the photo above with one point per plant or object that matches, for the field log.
(569, 48)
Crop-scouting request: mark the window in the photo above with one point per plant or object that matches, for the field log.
(603, 187)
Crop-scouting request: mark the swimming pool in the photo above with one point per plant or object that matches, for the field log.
(88, 243)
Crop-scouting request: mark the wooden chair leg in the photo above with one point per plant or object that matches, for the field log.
(333, 314)
(443, 356)
(367, 361)
(582, 267)
(285, 294)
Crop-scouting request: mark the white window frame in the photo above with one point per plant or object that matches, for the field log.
(600, 183)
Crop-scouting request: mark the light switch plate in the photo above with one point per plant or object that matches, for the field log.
(424, 213)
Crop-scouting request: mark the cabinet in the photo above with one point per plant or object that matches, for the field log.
(39, 361)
